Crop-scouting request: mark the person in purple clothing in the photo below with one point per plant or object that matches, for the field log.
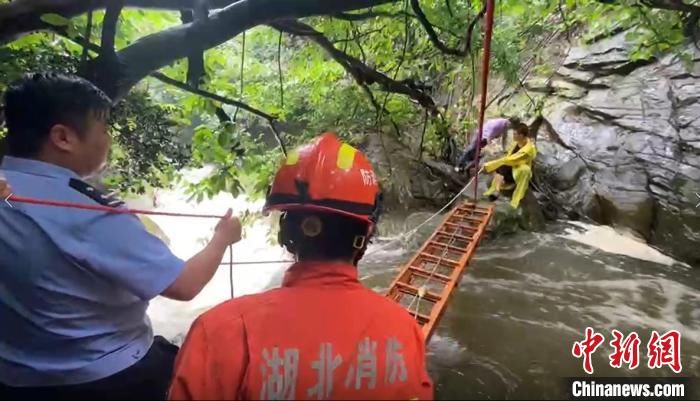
(493, 129)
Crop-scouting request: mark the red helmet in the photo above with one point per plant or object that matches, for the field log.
(327, 175)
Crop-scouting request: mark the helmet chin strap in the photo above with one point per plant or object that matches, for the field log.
(361, 242)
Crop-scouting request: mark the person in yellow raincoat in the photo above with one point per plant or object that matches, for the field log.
(514, 169)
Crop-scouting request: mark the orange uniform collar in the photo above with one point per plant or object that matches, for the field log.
(320, 274)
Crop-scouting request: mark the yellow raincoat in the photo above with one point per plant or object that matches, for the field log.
(521, 162)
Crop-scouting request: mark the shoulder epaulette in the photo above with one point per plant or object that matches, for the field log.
(94, 194)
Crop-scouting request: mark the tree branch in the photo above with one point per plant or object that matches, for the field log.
(449, 8)
(358, 36)
(363, 74)
(155, 51)
(222, 115)
(358, 42)
(352, 17)
(109, 27)
(88, 35)
(279, 69)
(278, 137)
(195, 60)
(240, 95)
(429, 28)
(370, 14)
(672, 5)
(181, 85)
(22, 16)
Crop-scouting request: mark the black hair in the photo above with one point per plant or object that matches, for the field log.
(514, 121)
(38, 101)
(337, 237)
(522, 129)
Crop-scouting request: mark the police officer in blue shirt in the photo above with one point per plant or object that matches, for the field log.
(75, 284)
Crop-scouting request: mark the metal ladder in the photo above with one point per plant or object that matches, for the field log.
(425, 284)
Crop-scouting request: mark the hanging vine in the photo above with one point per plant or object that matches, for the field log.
(279, 69)
(240, 97)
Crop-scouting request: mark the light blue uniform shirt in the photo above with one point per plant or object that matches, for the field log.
(74, 284)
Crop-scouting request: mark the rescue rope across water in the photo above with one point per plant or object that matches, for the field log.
(230, 263)
(410, 233)
(106, 209)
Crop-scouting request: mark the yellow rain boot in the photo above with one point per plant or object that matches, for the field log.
(522, 175)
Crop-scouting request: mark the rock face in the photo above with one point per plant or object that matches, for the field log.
(621, 144)
(409, 183)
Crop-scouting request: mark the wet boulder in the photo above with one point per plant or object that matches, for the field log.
(506, 220)
(627, 153)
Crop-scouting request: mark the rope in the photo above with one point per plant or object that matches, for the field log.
(230, 263)
(106, 209)
(415, 230)
(258, 262)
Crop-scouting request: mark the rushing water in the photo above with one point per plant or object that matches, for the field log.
(509, 329)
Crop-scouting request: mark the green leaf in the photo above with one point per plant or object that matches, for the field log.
(72, 31)
(224, 139)
(55, 19)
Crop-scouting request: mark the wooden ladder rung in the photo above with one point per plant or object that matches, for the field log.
(468, 218)
(461, 227)
(468, 206)
(472, 211)
(457, 236)
(420, 318)
(439, 259)
(450, 247)
(426, 274)
(411, 290)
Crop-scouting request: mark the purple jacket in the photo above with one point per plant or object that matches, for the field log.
(493, 129)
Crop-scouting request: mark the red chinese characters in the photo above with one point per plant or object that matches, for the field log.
(662, 350)
(587, 347)
(626, 351)
(665, 350)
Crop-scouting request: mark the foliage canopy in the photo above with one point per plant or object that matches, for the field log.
(359, 68)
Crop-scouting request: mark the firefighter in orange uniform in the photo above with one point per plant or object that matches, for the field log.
(322, 335)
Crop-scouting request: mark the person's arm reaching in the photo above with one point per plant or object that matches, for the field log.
(525, 154)
(200, 268)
